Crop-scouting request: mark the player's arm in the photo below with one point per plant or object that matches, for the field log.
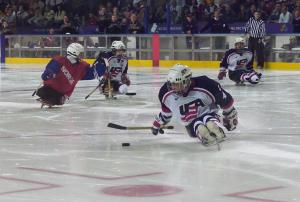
(223, 67)
(164, 117)
(51, 70)
(98, 68)
(225, 101)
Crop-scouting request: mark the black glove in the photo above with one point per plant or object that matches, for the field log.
(156, 130)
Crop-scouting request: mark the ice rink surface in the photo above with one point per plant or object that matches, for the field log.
(68, 154)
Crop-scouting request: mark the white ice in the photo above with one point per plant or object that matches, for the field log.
(68, 154)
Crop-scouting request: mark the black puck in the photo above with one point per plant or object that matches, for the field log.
(125, 144)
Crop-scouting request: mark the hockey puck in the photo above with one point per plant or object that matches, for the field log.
(125, 144)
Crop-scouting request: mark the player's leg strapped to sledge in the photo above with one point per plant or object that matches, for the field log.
(49, 96)
(207, 128)
(241, 76)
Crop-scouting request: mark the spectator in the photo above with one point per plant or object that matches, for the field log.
(49, 16)
(102, 19)
(134, 26)
(114, 26)
(227, 14)
(209, 8)
(175, 10)
(250, 12)
(216, 24)
(5, 29)
(91, 19)
(67, 27)
(241, 16)
(22, 15)
(125, 20)
(38, 19)
(296, 21)
(189, 27)
(59, 15)
(50, 40)
(285, 16)
(274, 17)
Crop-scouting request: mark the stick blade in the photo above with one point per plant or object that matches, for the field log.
(130, 94)
(116, 126)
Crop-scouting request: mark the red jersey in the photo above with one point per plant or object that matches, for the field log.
(68, 75)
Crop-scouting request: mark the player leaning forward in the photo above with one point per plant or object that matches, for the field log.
(62, 74)
(195, 102)
(239, 62)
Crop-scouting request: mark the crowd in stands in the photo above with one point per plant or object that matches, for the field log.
(130, 16)
(231, 11)
(68, 16)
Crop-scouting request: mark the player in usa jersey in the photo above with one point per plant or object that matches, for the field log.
(239, 63)
(62, 74)
(114, 64)
(195, 102)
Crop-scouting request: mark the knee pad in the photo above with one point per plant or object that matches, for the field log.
(216, 129)
(204, 134)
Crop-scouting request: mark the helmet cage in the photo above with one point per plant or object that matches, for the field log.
(179, 79)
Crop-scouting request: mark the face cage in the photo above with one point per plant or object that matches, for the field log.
(115, 51)
(185, 84)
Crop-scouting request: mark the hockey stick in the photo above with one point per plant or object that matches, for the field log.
(109, 92)
(108, 79)
(130, 94)
(116, 126)
(86, 97)
(34, 92)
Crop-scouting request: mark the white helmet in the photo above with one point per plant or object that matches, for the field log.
(180, 74)
(239, 40)
(118, 45)
(74, 49)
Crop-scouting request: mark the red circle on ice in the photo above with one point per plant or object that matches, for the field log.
(148, 190)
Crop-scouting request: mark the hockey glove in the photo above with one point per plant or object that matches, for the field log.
(230, 119)
(125, 79)
(156, 126)
(221, 74)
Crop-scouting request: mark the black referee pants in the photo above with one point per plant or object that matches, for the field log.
(256, 44)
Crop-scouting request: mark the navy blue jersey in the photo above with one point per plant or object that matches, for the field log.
(205, 96)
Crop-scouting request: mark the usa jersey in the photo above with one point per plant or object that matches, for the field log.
(205, 96)
(118, 65)
(233, 60)
(66, 74)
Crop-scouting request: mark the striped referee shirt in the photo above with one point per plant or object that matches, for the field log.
(256, 28)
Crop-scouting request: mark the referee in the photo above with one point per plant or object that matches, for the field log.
(255, 29)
